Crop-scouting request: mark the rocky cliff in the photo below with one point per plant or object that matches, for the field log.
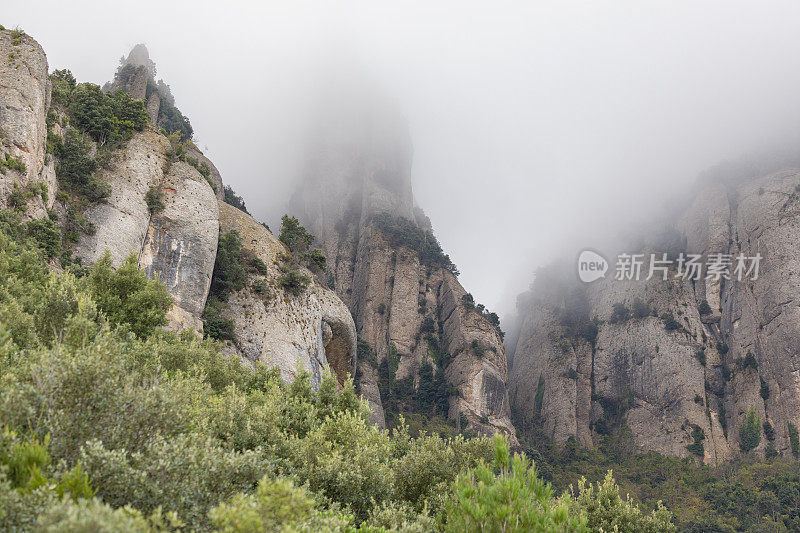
(387, 267)
(24, 99)
(155, 196)
(677, 362)
(307, 331)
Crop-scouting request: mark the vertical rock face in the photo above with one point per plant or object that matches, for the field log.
(358, 177)
(704, 371)
(24, 99)
(304, 332)
(178, 244)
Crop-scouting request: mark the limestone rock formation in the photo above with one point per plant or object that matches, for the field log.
(665, 380)
(356, 198)
(303, 332)
(24, 99)
(178, 244)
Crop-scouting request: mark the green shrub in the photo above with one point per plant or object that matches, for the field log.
(215, 324)
(154, 199)
(764, 389)
(276, 505)
(13, 163)
(314, 260)
(620, 313)
(704, 308)
(606, 510)
(259, 266)
(404, 232)
(750, 431)
(511, 498)
(230, 270)
(670, 324)
(640, 308)
(75, 168)
(46, 234)
(794, 440)
(127, 296)
(294, 236)
(293, 281)
(698, 436)
(231, 198)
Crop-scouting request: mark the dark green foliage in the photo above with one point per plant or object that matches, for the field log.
(698, 435)
(620, 313)
(704, 308)
(539, 398)
(468, 301)
(292, 281)
(700, 355)
(154, 199)
(749, 361)
(46, 235)
(63, 83)
(107, 118)
(10, 162)
(294, 236)
(403, 232)
(722, 348)
(127, 296)
(428, 326)
(794, 440)
(230, 267)
(764, 391)
(314, 260)
(433, 392)
(75, 168)
(231, 198)
(670, 324)
(259, 265)
(170, 118)
(215, 324)
(750, 431)
(769, 432)
(640, 308)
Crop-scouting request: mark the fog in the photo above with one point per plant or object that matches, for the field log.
(536, 127)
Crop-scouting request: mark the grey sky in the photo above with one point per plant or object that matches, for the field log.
(534, 124)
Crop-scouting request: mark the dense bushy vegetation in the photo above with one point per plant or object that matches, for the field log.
(749, 494)
(404, 232)
(231, 198)
(468, 301)
(110, 423)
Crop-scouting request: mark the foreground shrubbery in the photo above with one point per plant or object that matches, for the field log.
(112, 424)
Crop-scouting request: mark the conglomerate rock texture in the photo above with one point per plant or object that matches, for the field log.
(178, 244)
(24, 99)
(304, 332)
(359, 170)
(704, 371)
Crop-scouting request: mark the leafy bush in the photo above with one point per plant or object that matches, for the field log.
(640, 308)
(513, 499)
(154, 199)
(127, 296)
(704, 308)
(294, 236)
(75, 168)
(620, 313)
(230, 269)
(670, 324)
(794, 439)
(750, 432)
(293, 281)
(231, 198)
(107, 118)
(315, 260)
(10, 162)
(403, 232)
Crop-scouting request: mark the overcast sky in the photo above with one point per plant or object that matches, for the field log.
(534, 124)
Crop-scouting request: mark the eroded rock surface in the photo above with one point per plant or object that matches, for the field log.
(177, 245)
(305, 332)
(716, 363)
(24, 99)
(360, 170)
